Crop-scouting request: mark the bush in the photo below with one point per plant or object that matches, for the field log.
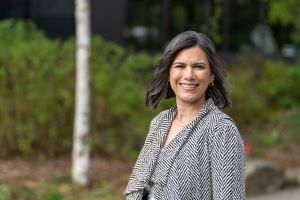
(249, 106)
(265, 98)
(118, 82)
(37, 100)
(5, 192)
(280, 84)
(261, 90)
(37, 77)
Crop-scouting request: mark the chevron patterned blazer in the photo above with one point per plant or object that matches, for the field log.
(205, 161)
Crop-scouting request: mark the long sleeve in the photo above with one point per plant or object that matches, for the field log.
(134, 189)
(227, 162)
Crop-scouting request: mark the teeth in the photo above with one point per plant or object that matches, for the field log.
(188, 86)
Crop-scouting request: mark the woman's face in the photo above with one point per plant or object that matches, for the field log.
(190, 76)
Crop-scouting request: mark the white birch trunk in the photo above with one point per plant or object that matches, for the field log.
(81, 159)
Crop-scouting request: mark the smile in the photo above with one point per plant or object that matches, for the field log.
(188, 86)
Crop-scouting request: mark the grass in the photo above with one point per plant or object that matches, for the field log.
(108, 181)
(65, 190)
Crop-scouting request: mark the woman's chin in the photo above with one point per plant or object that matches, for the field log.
(189, 100)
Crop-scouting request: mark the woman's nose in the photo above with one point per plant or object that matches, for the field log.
(189, 73)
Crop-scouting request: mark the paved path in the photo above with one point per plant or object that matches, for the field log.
(288, 194)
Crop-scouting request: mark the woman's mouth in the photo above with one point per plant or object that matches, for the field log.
(188, 86)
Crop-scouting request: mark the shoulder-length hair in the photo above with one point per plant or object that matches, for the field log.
(159, 89)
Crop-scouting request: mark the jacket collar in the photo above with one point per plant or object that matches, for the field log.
(163, 126)
(162, 159)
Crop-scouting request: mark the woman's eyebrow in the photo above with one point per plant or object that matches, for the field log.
(199, 62)
(195, 63)
(178, 62)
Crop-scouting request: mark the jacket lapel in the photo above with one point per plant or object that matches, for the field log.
(158, 159)
(148, 157)
(151, 156)
(169, 153)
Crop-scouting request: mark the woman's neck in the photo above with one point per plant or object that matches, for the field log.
(187, 112)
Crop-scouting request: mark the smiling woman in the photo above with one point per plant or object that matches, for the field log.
(193, 150)
(190, 76)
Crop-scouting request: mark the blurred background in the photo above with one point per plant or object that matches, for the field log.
(258, 39)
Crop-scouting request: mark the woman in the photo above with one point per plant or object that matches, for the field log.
(193, 150)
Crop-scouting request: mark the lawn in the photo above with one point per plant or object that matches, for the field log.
(51, 180)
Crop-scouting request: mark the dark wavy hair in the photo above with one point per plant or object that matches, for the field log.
(159, 89)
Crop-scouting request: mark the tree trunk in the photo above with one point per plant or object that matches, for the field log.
(81, 159)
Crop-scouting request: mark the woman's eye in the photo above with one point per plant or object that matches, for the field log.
(199, 67)
(179, 66)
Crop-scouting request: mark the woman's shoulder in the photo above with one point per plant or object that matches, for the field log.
(223, 128)
(162, 115)
(222, 123)
(220, 117)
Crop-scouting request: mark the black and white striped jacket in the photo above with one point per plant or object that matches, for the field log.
(205, 161)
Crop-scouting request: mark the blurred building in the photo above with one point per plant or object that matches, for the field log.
(150, 23)
(56, 17)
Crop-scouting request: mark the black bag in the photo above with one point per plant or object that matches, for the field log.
(145, 194)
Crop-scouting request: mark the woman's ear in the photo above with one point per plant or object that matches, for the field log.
(212, 78)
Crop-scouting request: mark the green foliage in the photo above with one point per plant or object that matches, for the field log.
(285, 13)
(280, 84)
(36, 94)
(5, 192)
(248, 104)
(261, 91)
(118, 83)
(65, 191)
(265, 99)
(37, 100)
(179, 18)
(51, 194)
(37, 77)
(268, 140)
(288, 125)
(213, 27)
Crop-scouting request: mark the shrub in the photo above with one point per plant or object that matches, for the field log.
(265, 98)
(37, 77)
(249, 107)
(37, 100)
(280, 82)
(37, 95)
(5, 192)
(118, 80)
